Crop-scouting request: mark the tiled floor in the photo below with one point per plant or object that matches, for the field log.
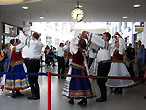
(131, 99)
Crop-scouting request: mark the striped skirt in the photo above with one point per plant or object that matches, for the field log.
(16, 79)
(77, 87)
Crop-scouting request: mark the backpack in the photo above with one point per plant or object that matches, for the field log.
(5, 56)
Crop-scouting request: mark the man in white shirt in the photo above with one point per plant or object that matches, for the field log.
(104, 61)
(32, 62)
(61, 60)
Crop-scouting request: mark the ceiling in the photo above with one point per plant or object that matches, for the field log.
(95, 10)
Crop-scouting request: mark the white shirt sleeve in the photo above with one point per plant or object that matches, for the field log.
(121, 46)
(20, 47)
(113, 46)
(113, 42)
(65, 47)
(74, 46)
(22, 37)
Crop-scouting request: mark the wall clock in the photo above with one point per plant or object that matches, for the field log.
(77, 14)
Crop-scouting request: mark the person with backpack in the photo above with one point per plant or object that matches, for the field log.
(1, 59)
(7, 58)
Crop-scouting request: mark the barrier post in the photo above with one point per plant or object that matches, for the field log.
(49, 90)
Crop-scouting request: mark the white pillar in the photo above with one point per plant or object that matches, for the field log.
(144, 35)
(125, 25)
(119, 27)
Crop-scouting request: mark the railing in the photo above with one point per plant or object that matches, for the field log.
(49, 74)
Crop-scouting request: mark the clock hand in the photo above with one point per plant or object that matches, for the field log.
(78, 15)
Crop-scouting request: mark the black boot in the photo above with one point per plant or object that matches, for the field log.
(38, 96)
(120, 90)
(102, 99)
(111, 89)
(103, 91)
(32, 97)
(13, 94)
(83, 102)
(71, 101)
(18, 93)
(37, 90)
(116, 90)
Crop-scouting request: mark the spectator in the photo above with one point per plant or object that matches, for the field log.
(140, 59)
(130, 54)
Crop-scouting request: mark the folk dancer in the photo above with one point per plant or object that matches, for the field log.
(76, 87)
(104, 61)
(32, 62)
(17, 80)
(118, 68)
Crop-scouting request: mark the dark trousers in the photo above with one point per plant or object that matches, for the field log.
(90, 62)
(103, 70)
(33, 66)
(131, 70)
(61, 65)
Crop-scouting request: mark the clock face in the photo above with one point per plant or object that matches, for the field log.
(77, 14)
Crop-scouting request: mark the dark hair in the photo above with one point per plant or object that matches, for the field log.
(108, 35)
(18, 41)
(130, 44)
(36, 35)
(82, 43)
(60, 44)
(6, 45)
(12, 41)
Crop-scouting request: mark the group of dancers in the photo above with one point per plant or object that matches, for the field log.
(110, 63)
(109, 58)
(16, 79)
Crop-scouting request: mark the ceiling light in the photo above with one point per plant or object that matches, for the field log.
(41, 17)
(25, 7)
(125, 17)
(9, 2)
(136, 6)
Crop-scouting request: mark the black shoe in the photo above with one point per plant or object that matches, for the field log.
(100, 99)
(13, 95)
(71, 101)
(144, 97)
(118, 90)
(32, 98)
(83, 102)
